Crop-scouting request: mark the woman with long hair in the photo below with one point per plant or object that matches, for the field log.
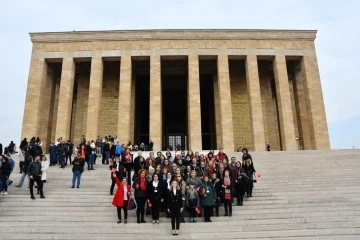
(44, 168)
(227, 185)
(249, 170)
(240, 178)
(182, 186)
(175, 206)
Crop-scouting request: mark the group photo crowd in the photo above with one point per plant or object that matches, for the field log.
(181, 185)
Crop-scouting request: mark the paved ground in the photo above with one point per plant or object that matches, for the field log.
(301, 195)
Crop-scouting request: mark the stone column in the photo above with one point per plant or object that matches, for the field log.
(32, 111)
(155, 119)
(217, 113)
(225, 104)
(287, 130)
(94, 100)
(125, 103)
(257, 118)
(315, 102)
(63, 122)
(194, 109)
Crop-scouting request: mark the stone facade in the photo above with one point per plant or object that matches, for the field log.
(260, 97)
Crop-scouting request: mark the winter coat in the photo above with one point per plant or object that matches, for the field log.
(207, 194)
(249, 170)
(5, 169)
(230, 186)
(138, 191)
(118, 200)
(44, 167)
(154, 193)
(241, 178)
(52, 151)
(175, 201)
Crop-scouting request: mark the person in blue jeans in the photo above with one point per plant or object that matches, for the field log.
(78, 168)
(27, 161)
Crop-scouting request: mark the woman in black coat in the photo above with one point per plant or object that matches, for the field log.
(155, 197)
(240, 178)
(175, 206)
(140, 186)
(5, 171)
(226, 186)
(249, 170)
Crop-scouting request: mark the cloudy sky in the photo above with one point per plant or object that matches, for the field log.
(337, 43)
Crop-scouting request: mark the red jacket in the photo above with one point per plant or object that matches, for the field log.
(118, 200)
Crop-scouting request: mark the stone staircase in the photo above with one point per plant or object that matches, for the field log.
(301, 195)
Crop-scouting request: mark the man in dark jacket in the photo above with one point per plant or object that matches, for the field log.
(27, 161)
(62, 150)
(78, 169)
(34, 172)
(119, 171)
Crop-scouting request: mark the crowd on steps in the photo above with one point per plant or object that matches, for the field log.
(186, 182)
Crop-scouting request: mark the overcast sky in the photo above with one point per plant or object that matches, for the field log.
(337, 43)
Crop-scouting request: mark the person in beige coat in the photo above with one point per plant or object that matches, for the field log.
(44, 168)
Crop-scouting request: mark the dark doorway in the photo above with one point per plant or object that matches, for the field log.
(141, 76)
(208, 70)
(174, 74)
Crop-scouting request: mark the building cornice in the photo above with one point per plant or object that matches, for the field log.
(172, 34)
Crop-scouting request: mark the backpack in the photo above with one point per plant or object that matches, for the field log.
(118, 150)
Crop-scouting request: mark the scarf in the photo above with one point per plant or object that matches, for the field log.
(227, 183)
(143, 183)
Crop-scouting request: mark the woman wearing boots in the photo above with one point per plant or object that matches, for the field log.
(207, 198)
(175, 206)
(44, 168)
(216, 183)
(140, 195)
(227, 184)
(240, 178)
(182, 186)
(122, 197)
(249, 170)
(155, 191)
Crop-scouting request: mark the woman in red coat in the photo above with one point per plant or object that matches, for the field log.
(122, 197)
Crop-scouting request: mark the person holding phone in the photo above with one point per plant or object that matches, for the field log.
(175, 206)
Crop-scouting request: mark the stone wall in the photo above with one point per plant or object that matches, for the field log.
(268, 101)
(80, 117)
(240, 105)
(109, 104)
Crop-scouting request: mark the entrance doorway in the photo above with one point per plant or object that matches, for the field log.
(174, 98)
(176, 141)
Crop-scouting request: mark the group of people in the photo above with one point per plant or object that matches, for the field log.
(32, 164)
(188, 182)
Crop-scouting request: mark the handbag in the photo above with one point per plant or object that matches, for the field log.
(132, 205)
(197, 210)
(227, 196)
(254, 177)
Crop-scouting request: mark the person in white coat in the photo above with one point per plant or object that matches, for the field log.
(44, 168)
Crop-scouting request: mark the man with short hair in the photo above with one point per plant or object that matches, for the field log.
(34, 172)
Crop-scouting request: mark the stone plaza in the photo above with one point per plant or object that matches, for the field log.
(201, 89)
